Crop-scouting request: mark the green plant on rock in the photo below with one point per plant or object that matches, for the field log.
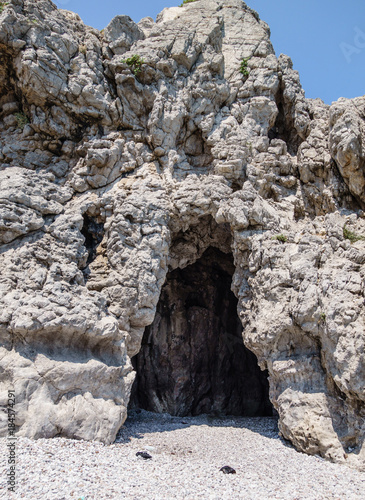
(83, 49)
(243, 67)
(135, 64)
(3, 5)
(322, 317)
(32, 22)
(186, 1)
(349, 235)
(22, 119)
(280, 237)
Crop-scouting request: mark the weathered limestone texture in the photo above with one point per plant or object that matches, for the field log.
(111, 177)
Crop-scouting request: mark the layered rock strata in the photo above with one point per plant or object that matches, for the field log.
(114, 173)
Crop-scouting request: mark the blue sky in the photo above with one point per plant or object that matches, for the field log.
(324, 38)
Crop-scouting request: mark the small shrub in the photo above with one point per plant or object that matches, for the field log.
(83, 49)
(3, 5)
(349, 235)
(22, 120)
(31, 21)
(322, 317)
(186, 1)
(280, 237)
(135, 64)
(243, 67)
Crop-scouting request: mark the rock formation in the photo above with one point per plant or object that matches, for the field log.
(129, 153)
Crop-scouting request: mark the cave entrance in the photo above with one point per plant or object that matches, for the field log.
(192, 359)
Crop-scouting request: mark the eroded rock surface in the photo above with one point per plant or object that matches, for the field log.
(109, 179)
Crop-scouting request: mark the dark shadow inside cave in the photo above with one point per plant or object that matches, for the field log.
(93, 233)
(192, 359)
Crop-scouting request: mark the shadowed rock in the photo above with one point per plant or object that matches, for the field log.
(192, 359)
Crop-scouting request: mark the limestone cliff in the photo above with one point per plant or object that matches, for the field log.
(116, 169)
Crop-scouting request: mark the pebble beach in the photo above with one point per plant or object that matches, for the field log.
(187, 454)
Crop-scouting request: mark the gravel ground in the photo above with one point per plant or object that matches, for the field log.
(187, 454)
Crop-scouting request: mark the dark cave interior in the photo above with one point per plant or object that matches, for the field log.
(192, 359)
(93, 233)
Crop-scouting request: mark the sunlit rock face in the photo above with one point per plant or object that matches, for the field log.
(192, 359)
(115, 176)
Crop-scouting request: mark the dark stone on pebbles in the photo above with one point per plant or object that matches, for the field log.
(143, 454)
(227, 470)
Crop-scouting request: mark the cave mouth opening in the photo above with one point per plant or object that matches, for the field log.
(193, 360)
